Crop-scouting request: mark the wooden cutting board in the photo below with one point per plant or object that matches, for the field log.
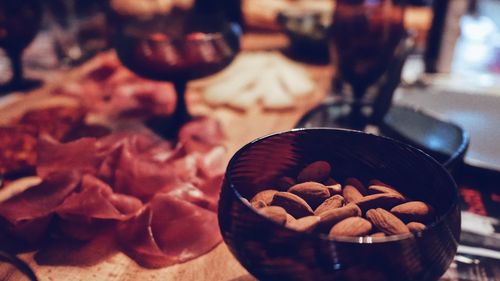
(240, 128)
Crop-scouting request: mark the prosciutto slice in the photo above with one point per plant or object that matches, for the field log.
(169, 230)
(93, 208)
(201, 135)
(79, 155)
(29, 213)
(96, 200)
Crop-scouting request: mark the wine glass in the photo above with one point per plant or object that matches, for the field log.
(368, 49)
(19, 23)
(177, 46)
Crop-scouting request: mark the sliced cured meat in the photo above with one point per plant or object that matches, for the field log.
(146, 98)
(18, 150)
(213, 163)
(79, 155)
(57, 122)
(96, 200)
(94, 208)
(189, 193)
(42, 200)
(29, 213)
(168, 231)
(140, 176)
(103, 72)
(201, 134)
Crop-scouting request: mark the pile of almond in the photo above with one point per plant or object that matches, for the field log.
(313, 201)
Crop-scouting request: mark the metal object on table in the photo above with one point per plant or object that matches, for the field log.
(14, 267)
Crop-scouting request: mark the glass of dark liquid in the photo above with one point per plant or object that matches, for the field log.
(19, 23)
(367, 39)
(182, 44)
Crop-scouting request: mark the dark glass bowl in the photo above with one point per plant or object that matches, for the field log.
(272, 252)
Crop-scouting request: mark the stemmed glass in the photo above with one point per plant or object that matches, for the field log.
(19, 23)
(368, 48)
(179, 45)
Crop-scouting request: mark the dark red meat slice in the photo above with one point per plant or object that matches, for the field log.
(28, 213)
(94, 208)
(18, 150)
(40, 201)
(169, 230)
(96, 200)
(189, 193)
(201, 134)
(140, 176)
(58, 122)
(79, 155)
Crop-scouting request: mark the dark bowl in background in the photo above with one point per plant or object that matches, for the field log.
(445, 141)
(272, 252)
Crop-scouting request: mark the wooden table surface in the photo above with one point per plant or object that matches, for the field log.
(240, 128)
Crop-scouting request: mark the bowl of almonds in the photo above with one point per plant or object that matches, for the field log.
(332, 204)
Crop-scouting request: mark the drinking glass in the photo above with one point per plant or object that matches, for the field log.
(179, 45)
(367, 39)
(19, 23)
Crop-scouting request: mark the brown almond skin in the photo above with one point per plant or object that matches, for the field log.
(293, 204)
(285, 183)
(265, 196)
(351, 194)
(357, 184)
(353, 226)
(333, 202)
(334, 189)
(274, 213)
(289, 218)
(415, 226)
(414, 211)
(353, 190)
(329, 218)
(379, 182)
(312, 192)
(378, 235)
(259, 204)
(375, 189)
(382, 200)
(305, 224)
(330, 181)
(386, 222)
(317, 171)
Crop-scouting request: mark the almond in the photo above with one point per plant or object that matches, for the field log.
(312, 192)
(317, 171)
(335, 189)
(376, 189)
(274, 213)
(353, 190)
(330, 181)
(379, 182)
(333, 202)
(284, 183)
(382, 200)
(353, 226)
(258, 204)
(414, 211)
(378, 235)
(289, 218)
(292, 203)
(265, 196)
(333, 216)
(305, 224)
(415, 226)
(386, 222)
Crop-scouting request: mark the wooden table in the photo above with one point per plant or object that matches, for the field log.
(240, 128)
